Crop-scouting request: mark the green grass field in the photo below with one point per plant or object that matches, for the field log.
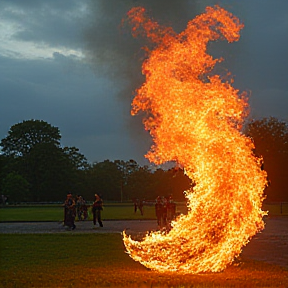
(115, 211)
(99, 260)
(56, 213)
(276, 209)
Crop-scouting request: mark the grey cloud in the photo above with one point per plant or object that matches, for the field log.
(258, 61)
(93, 110)
(112, 50)
(62, 91)
(53, 23)
(112, 47)
(49, 91)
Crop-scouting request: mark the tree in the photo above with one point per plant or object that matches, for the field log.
(270, 136)
(78, 160)
(179, 182)
(33, 151)
(140, 184)
(127, 170)
(105, 180)
(79, 171)
(15, 187)
(49, 172)
(22, 137)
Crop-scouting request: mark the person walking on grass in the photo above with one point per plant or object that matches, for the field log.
(96, 210)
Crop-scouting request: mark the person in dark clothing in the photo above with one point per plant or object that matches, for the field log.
(79, 207)
(135, 201)
(140, 206)
(171, 212)
(85, 209)
(69, 212)
(159, 212)
(96, 210)
(164, 214)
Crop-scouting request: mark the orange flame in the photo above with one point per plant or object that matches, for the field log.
(195, 119)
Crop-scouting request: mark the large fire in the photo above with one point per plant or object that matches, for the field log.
(195, 119)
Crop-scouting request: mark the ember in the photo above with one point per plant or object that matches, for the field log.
(195, 119)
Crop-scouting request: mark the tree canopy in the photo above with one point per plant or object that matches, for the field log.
(22, 137)
(35, 167)
(32, 150)
(270, 136)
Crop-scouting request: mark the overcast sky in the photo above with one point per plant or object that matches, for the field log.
(69, 63)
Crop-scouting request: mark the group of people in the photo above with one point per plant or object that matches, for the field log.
(138, 204)
(165, 209)
(79, 208)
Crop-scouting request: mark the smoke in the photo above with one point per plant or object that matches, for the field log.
(109, 45)
(114, 53)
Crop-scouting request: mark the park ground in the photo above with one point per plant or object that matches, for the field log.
(270, 245)
(263, 262)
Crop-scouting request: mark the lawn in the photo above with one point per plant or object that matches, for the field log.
(99, 260)
(276, 208)
(56, 213)
(112, 211)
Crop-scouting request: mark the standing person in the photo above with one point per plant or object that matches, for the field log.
(4, 199)
(164, 215)
(171, 212)
(69, 212)
(159, 212)
(135, 205)
(140, 206)
(79, 202)
(96, 210)
(85, 209)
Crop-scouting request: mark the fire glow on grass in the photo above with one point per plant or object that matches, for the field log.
(195, 118)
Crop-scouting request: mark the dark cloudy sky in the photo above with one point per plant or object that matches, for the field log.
(69, 63)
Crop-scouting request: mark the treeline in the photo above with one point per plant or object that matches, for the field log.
(270, 136)
(34, 167)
